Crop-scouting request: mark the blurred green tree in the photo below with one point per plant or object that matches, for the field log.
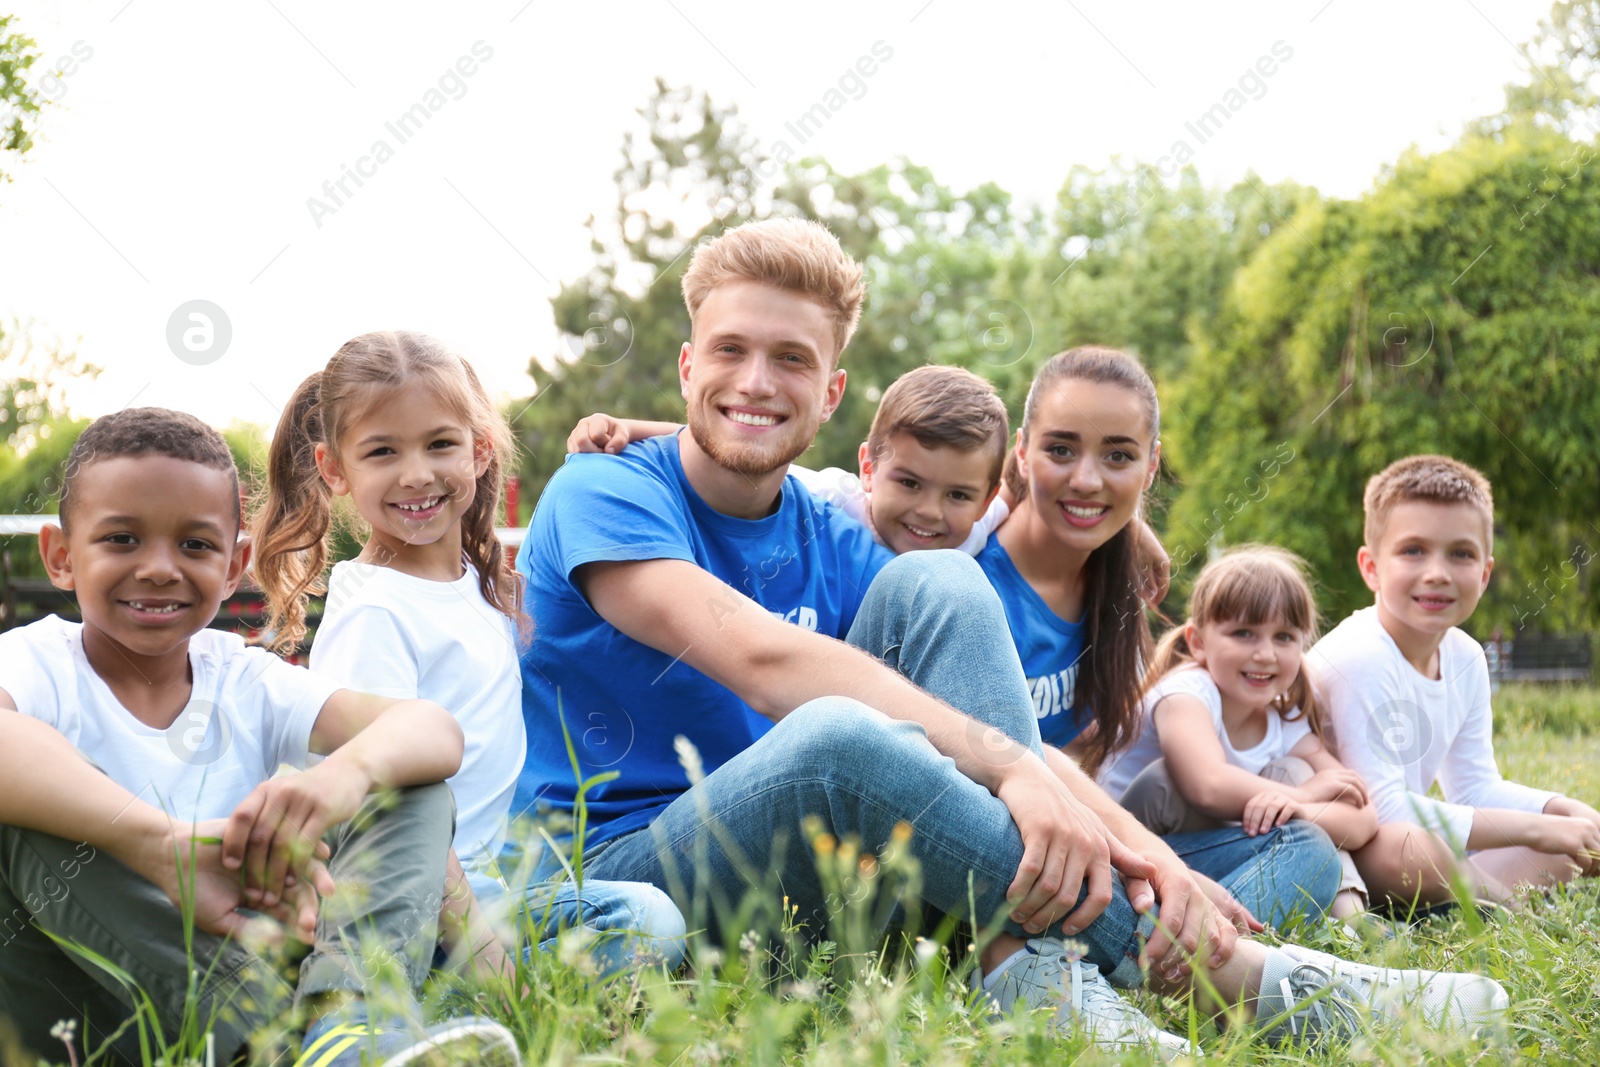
(1132, 258)
(1450, 310)
(33, 386)
(20, 102)
(1562, 88)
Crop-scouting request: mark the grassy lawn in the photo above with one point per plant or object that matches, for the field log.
(853, 1001)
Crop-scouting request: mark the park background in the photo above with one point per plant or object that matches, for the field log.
(1107, 178)
(1337, 232)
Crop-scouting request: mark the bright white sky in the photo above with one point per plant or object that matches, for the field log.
(180, 161)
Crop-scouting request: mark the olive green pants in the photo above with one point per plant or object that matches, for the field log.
(375, 936)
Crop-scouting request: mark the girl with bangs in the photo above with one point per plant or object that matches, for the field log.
(430, 608)
(1231, 731)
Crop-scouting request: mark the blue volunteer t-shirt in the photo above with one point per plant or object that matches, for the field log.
(623, 703)
(1048, 645)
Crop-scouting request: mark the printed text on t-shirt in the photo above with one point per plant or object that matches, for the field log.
(1052, 693)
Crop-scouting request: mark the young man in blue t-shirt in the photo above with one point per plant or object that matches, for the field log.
(666, 585)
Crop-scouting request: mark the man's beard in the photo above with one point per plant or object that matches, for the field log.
(752, 461)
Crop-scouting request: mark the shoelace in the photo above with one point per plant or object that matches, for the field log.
(1074, 971)
(1367, 982)
(1327, 1007)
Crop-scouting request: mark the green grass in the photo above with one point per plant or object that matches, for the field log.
(855, 1000)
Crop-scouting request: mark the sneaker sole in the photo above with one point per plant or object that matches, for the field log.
(478, 1044)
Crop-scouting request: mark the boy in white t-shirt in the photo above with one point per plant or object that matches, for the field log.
(1408, 696)
(139, 750)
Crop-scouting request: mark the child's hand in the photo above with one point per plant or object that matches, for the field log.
(195, 876)
(1265, 811)
(1572, 836)
(276, 832)
(1336, 784)
(1577, 809)
(598, 433)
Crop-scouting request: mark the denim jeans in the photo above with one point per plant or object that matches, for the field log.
(933, 617)
(394, 850)
(1292, 870)
(1154, 800)
(632, 924)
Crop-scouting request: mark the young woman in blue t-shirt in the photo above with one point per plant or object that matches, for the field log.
(1066, 563)
(1066, 566)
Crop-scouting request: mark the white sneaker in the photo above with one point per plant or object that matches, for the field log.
(1082, 998)
(1311, 995)
(1442, 999)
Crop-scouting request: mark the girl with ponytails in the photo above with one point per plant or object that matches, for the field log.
(1231, 729)
(429, 607)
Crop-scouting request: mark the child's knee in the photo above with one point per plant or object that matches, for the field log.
(1290, 770)
(1154, 800)
(429, 809)
(1403, 859)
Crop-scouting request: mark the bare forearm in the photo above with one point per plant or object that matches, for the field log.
(1127, 829)
(639, 429)
(1500, 828)
(411, 742)
(1350, 827)
(804, 670)
(1222, 790)
(51, 788)
(465, 930)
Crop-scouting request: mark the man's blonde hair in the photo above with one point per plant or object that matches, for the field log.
(1431, 480)
(794, 254)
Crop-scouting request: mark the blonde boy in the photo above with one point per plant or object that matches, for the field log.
(1408, 695)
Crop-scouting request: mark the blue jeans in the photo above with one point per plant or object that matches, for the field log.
(933, 617)
(1292, 870)
(631, 924)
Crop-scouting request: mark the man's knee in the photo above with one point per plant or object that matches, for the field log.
(656, 924)
(834, 732)
(950, 565)
(635, 923)
(942, 579)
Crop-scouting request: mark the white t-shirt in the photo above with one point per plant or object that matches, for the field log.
(249, 713)
(1403, 731)
(843, 489)
(396, 635)
(1279, 740)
